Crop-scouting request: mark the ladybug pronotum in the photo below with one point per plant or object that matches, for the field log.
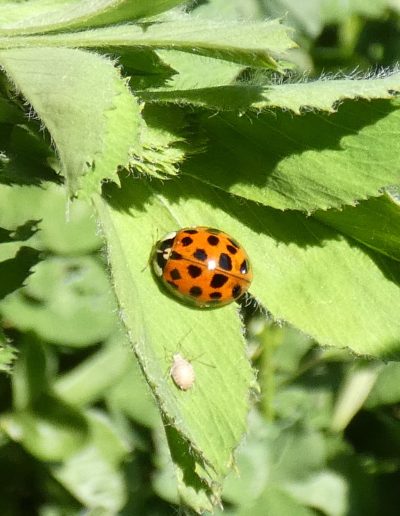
(202, 266)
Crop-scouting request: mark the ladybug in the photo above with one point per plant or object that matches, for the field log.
(202, 266)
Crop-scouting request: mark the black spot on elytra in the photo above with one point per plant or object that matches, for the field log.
(244, 267)
(234, 243)
(174, 285)
(215, 295)
(195, 291)
(194, 271)
(175, 274)
(218, 280)
(200, 254)
(186, 241)
(225, 262)
(236, 291)
(175, 256)
(231, 249)
(213, 240)
(191, 231)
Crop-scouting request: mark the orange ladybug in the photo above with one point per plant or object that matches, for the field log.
(202, 266)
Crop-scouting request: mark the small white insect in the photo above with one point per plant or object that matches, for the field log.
(182, 372)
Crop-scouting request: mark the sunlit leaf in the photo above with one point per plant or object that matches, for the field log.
(309, 162)
(44, 15)
(249, 43)
(138, 210)
(84, 103)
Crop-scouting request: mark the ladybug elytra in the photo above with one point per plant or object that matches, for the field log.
(202, 266)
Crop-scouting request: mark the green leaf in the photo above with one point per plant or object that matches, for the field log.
(92, 475)
(354, 390)
(276, 502)
(375, 223)
(45, 15)
(9, 112)
(157, 326)
(197, 71)
(85, 105)
(304, 272)
(9, 250)
(21, 204)
(50, 429)
(31, 373)
(232, 10)
(305, 17)
(13, 272)
(323, 94)
(249, 43)
(66, 301)
(386, 390)
(333, 11)
(193, 490)
(163, 146)
(28, 158)
(132, 395)
(86, 383)
(274, 455)
(8, 354)
(306, 163)
(164, 481)
(66, 227)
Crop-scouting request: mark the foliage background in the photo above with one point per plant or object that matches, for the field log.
(81, 432)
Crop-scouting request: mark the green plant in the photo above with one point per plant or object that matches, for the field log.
(123, 120)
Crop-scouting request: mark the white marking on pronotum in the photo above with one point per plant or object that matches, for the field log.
(182, 372)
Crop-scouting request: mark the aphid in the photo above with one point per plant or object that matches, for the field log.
(182, 372)
(202, 266)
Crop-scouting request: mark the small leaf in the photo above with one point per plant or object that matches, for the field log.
(66, 227)
(86, 383)
(66, 301)
(196, 71)
(50, 429)
(92, 475)
(85, 105)
(163, 146)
